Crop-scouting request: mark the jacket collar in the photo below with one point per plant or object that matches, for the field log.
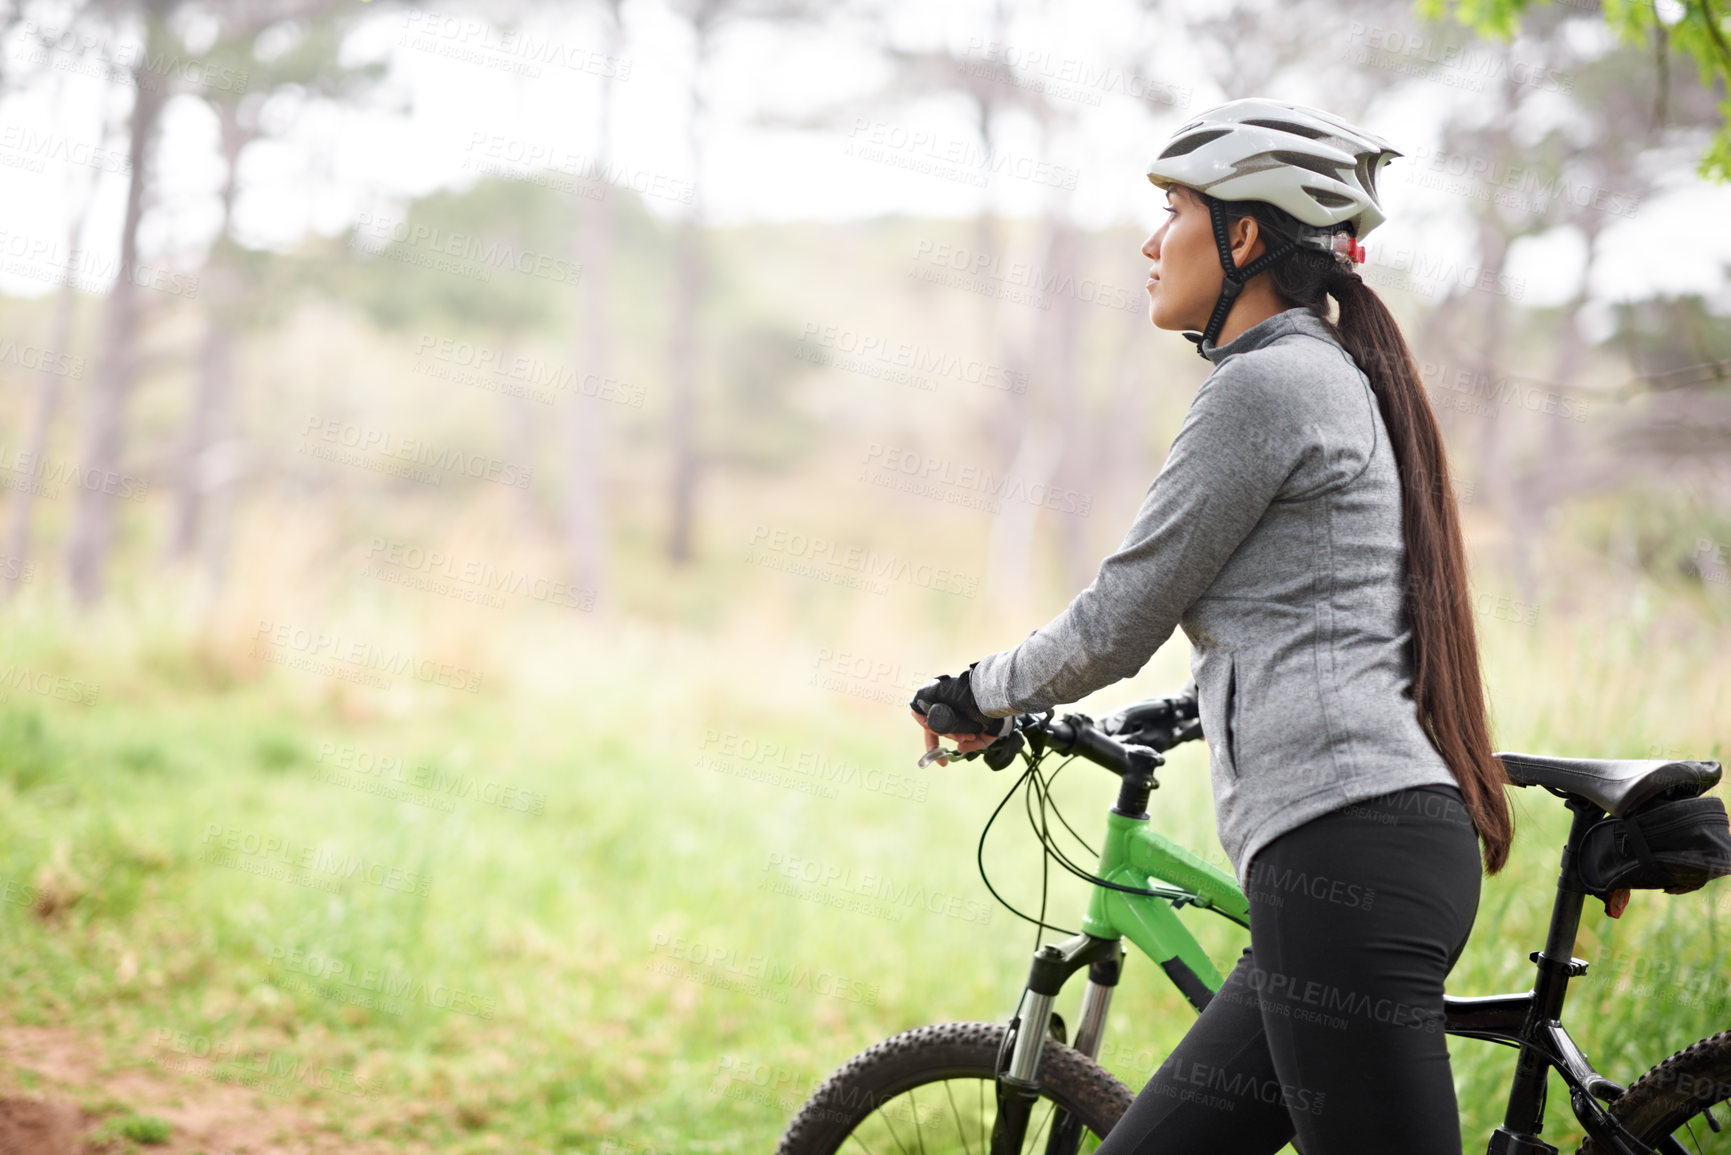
(1295, 320)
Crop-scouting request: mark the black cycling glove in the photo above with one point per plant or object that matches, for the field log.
(957, 695)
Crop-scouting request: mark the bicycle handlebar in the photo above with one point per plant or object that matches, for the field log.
(1134, 761)
(1077, 734)
(1137, 734)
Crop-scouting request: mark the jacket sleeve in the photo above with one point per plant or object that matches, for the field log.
(1239, 442)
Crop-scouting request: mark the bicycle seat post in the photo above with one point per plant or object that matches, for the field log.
(1556, 963)
(1571, 895)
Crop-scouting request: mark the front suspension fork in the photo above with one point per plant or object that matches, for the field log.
(1018, 1085)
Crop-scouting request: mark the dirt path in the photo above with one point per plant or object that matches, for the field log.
(46, 1073)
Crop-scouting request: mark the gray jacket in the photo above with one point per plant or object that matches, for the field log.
(1272, 535)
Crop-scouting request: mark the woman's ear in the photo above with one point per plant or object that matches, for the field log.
(1243, 234)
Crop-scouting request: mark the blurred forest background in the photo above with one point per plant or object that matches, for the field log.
(529, 452)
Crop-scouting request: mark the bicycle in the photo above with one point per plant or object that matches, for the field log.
(1142, 880)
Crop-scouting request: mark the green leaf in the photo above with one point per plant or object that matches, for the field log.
(1701, 35)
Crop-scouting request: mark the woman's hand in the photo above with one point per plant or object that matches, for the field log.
(957, 695)
(965, 743)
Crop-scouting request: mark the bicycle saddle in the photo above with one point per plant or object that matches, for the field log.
(1616, 786)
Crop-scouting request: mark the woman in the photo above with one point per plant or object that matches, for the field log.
(1303, 533)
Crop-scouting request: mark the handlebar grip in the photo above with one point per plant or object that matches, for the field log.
(941, 719)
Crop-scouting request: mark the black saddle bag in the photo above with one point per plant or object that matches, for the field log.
(1675, 845)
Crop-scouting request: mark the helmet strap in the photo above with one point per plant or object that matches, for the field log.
(1235, 277)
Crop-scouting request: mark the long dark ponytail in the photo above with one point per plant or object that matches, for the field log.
(1447, 686)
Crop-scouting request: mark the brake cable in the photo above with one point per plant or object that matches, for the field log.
(1051, 778)
(1032, 780)
(980, 858)
(1082, 873)
(1055, 853)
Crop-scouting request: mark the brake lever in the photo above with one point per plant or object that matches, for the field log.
(937, 752)
(998, 755)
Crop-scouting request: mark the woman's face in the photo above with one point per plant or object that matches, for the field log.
(1186, 277)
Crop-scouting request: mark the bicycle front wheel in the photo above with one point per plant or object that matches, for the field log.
(1686, 1098)
(933, 1089)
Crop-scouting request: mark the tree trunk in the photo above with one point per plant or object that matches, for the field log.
(1123, 466)
(209, 411)
(1493, 478)
(1532, 503)
(585, 421)
(117, 359)
(211, 400)
(522, 438)
(585, 424)
(1572, 350)
(687, 296)
(682, 349)
(1010, 574)
(1039, 443)
(1076, 468)
(48, 389)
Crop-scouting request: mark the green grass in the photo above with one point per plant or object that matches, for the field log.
(622, 965)
(146, 1129)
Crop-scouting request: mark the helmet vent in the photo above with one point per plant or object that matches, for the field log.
(1288, 126)
(1315, 164)
(1367, 172)
(1328, 199)
(1191, 143)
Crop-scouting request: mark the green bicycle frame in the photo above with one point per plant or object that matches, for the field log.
(1136, 855)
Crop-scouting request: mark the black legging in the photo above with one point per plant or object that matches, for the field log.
(1328, 1033)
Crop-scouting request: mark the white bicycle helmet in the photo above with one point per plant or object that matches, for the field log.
(1313, 165)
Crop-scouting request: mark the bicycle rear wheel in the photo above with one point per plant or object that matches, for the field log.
(1687, 1098)
(932, 1089)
